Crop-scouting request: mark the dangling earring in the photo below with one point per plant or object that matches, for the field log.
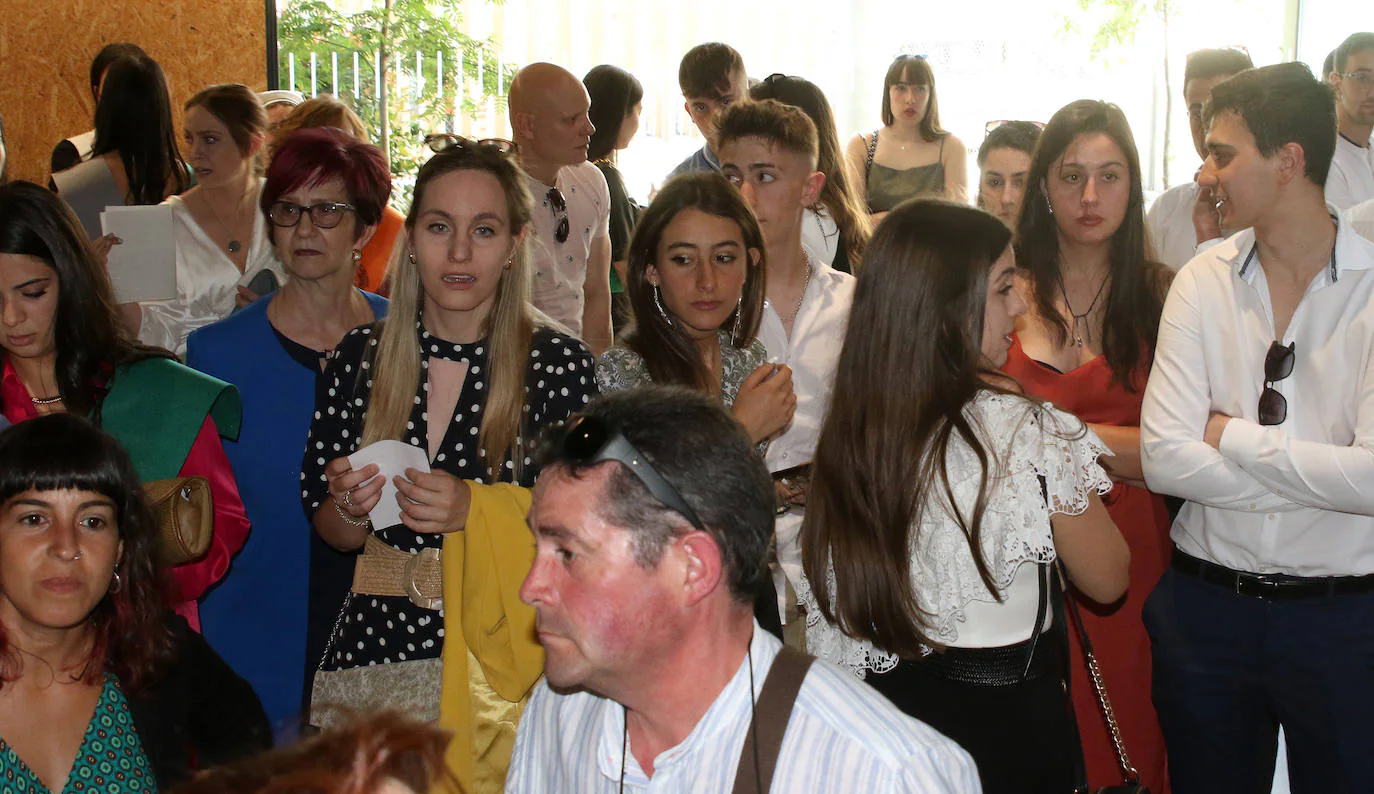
(509, 262)
(661, 311)
(412, 258)
(739, 315)
(117, 584)
(357, 257)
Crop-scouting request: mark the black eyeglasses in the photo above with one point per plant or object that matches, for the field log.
(588, 440)
(1278, 364)
(443, 141)
(325, 215)
(559, 206)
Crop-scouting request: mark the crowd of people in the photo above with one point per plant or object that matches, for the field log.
(807, 476)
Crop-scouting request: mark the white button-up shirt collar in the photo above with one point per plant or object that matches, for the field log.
(842, 736)
(1297, 497)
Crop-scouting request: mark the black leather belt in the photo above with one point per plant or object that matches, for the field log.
(1273, 585)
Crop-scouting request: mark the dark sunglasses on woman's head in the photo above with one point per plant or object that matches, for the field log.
(325, 215)
(559, 205)
(1278, 364)
(443, 141)
(588, 440)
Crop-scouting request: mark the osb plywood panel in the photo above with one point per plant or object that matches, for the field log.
(46, 48)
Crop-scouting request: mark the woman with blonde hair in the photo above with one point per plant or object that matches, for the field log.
(468, 372)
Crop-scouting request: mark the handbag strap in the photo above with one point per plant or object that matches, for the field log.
(1104, 703)
(771, 715)
(872, 150)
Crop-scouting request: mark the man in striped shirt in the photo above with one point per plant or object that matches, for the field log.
(652, 520)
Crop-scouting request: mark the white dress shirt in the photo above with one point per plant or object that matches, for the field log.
(1170, 222)
(1351, 178)
(1295, 498)
(842, 737)
(820, 235)
(207, 280)
(1361, 219)
(560, 269)
(813, 351)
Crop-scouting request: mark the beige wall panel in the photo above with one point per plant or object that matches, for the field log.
(46, 49)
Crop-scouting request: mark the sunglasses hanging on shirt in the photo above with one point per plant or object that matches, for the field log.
(559, 206)
(1278, 364)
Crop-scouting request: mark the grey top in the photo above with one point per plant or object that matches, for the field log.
(888, 187)
(622, 368)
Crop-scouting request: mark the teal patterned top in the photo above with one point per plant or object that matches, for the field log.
(111, 758)
(621, 368)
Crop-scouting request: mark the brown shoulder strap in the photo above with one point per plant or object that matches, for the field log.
(772, 713)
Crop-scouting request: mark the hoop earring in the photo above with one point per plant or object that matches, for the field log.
(661, 311)
(739, 315)
(116, 585)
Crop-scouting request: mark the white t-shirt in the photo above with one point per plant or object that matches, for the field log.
(1170, 221)
(1351, 179)
(1361, 219)
(560, 269)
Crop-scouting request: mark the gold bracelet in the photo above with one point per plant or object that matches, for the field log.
(348, 519)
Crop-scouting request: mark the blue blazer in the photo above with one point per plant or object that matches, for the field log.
(259, 615)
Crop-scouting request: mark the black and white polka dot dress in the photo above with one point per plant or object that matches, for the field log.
(560, 379)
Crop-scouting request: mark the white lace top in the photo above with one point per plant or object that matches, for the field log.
(1025, 442)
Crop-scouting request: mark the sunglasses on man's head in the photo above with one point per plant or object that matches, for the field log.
(588, 440)
(444, 141)
(1278, 364)
(559, 205)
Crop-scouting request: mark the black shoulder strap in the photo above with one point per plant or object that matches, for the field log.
(771, 715)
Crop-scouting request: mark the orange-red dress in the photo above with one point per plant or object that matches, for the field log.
(1118, 634)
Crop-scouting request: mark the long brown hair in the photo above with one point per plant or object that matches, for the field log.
(668, 354)
(911, 363)
(1135, 300)
(509, 326)
(838, 195)
(90, 342)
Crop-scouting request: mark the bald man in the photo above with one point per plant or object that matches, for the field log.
(571, 244)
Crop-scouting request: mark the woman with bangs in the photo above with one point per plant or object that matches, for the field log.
(101, 689)
(63, 351)
(1087, 344)
(323, 199)
(910, 155)
(466, 370)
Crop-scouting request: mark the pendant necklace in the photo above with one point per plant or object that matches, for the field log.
(1082, 330)
(234, 245)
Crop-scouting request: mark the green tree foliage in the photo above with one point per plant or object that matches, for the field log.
(397, 29)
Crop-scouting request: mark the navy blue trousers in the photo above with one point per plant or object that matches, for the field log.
(1230, 669)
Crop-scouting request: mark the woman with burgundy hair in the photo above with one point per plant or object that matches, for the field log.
(101, 687)
(323, 198)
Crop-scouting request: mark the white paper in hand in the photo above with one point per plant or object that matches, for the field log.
(393, 458)
(144, 266)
